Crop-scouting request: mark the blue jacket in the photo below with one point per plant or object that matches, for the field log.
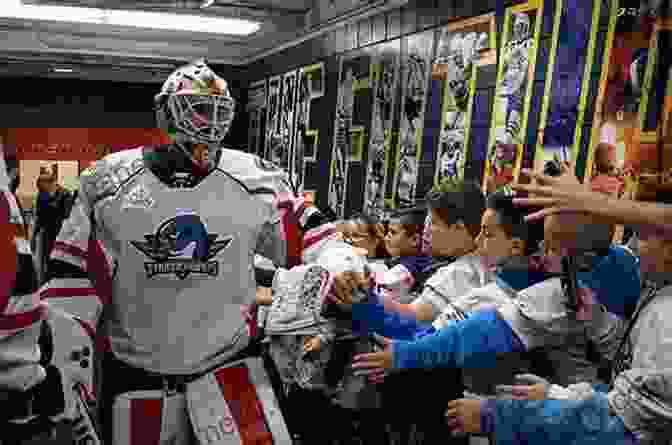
(476, 341)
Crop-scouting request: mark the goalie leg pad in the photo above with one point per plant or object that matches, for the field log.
(236, 405)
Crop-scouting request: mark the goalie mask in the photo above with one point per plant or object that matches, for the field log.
(195, 107)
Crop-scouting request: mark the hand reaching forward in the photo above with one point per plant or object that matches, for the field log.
(375, 365)
(464, 416)
(345, 284)
(562, 194)
(527, 387)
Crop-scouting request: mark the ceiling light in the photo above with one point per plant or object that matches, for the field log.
(63, 70)
(207, 3)
(137, 19)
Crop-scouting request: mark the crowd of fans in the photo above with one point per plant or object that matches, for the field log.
(462, 320)
(466, 322)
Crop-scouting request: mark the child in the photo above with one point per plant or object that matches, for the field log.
(310, 351)
(403, 242)
(455, 210)
(365, 232)
(637, 408)
(503, 236)
(537, 317)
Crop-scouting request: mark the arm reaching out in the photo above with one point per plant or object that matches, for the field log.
(556, 196)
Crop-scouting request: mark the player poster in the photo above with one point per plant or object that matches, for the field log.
(619, 143)
(272, 138)
(459, 48)
(513, 94)
(353, 116)
(284, 139)
(256, 108)
(310, 87)
(417, 55)
(385, 78)
(567, 80)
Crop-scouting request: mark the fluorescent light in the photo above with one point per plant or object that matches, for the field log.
(63, 70)
(136, 19)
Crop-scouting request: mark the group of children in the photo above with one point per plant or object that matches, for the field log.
(469, 297)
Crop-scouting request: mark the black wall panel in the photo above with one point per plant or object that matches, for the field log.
(416, 16)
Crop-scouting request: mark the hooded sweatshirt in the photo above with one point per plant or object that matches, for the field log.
(637, 409)
(536, 318)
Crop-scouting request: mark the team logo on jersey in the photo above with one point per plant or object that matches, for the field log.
(182, 246)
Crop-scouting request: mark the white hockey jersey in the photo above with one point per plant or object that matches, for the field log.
(180, 260)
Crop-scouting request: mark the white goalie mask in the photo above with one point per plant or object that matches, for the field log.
(195, 106)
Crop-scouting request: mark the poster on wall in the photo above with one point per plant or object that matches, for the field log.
(385, 78)
(460, 46)
(666, 131)
(310, 87)
(417, 55)
(513, 93)
(256, 108)
(352, 119)
(282, 121)
(615, 153)
(567, 81)
(272, 138)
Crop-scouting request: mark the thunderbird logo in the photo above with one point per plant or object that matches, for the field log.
(182, 246)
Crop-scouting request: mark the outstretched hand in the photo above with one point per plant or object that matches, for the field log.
(527, 387)
(375, 365)
(562, 194)
(345, 284)
(464, 416)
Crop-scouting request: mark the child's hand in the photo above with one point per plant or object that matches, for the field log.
(375, 363)
(464, 416)
(527, 387)
(313, 344)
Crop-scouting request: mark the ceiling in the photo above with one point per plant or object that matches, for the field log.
(106, 52)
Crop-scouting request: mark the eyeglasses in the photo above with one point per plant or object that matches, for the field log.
(352, 238)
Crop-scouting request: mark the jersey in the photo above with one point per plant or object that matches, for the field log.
(21, 313)
(179, 260)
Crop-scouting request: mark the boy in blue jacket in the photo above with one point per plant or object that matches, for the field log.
(536, 318)
(503, 236)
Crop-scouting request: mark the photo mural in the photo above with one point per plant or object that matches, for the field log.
(353, 118)
(415, 110)
(458, 51)
(310, 88)
(511, 109)
(272, 138)
(575, 30)
(287, 120)
(256, 108)
(384, 82)
(417, 53)
(615, 153)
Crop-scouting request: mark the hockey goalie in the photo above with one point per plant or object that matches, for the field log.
(165, 237)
